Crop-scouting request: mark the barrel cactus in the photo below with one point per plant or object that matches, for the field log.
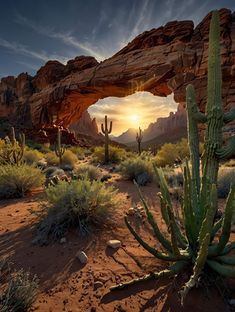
(200, 243)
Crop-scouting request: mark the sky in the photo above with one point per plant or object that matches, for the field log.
(35, 31)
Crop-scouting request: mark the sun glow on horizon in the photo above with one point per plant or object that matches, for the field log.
(134, 119)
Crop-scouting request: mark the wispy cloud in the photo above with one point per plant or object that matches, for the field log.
(19, 48)
(64, 37)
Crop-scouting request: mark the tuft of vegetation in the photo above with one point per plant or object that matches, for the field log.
(32, 157)
(51, 159)
(77, 204)
(43, 148)
(69, 160)
(18, 289)
(170, 153)
(89, 171)
(226, 178)
(78, 151)
(193, 243)
(17, 181)
(116, 155)
(138, 169)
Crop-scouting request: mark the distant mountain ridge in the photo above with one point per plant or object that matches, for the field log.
(164, 126)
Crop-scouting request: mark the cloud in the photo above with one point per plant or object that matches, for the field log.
(64, 37)
(19, 48)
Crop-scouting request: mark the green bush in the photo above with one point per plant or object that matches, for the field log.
(138, 169)
(18, 291)
(170, 153)
(68, 159)
(32, 156)
(38, 146)
(116, 154)
(89, 171)
(17, 181)
(75, 204)
(226, 176)
(78, 151)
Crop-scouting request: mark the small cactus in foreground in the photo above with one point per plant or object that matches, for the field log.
(193, 245)
(139, 138)
(106, 131)
(59, 148)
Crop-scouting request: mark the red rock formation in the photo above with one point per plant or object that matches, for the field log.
(160, 61)
(85, 125)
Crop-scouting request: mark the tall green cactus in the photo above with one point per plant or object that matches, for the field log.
(106, 131)
(59, 148)
(194, 246)
(139, 138)
(14, 150)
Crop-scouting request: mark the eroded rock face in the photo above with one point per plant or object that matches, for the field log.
(160, 61)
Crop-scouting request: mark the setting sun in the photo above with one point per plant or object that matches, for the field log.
(134, 118)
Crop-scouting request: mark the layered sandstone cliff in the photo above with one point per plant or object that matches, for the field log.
(161, 61)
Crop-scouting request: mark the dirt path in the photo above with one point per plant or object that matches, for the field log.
(66, 285)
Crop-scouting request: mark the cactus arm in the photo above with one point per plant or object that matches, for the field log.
(163, 207)
(229, 260)
(110, 127)
(166, 196)
(102, 128)
(229, 116)
(173, 270)
(152, 250)
(165, 243)
(228, 150)
(216, 228)
(193, 136)
(226, 227)
(198, 267)
(213, 136)
(221, 269)
(174, 245)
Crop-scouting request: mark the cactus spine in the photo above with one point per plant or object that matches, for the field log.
(139, 138)
(59, 148)
(194, 246)
(106, 131)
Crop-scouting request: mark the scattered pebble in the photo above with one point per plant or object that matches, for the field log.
(63, 240)
(131, 211)
(114, 243)
(82, 257)
(98, 284)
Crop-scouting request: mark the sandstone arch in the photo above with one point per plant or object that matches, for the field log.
(160, 61)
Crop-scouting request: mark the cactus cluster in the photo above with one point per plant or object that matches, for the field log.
(106, 131)
(197, 242)
(139, 138)
(59, 148)
(14, 150)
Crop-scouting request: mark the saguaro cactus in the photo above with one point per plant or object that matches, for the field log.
(139, 138)
(106, 131)
(59, 148)
(194, 247)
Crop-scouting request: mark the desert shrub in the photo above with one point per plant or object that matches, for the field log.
(116, 154)
(226, 177)
(18, 291)
(75, 204)
(52, 159)
(78, 151)
(174, 178)
(170, 153)
(38, 146)
(69, 159)
(89, 171)
(32, 156)
(16, 181)
(137, 169)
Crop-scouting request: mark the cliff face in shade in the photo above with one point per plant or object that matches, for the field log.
(85, 125)
(161, 61)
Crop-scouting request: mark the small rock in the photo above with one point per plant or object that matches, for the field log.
(106, 177)
(131, 211)
(63, 240)
(98, 284)
(82, 257)
(114, 243)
